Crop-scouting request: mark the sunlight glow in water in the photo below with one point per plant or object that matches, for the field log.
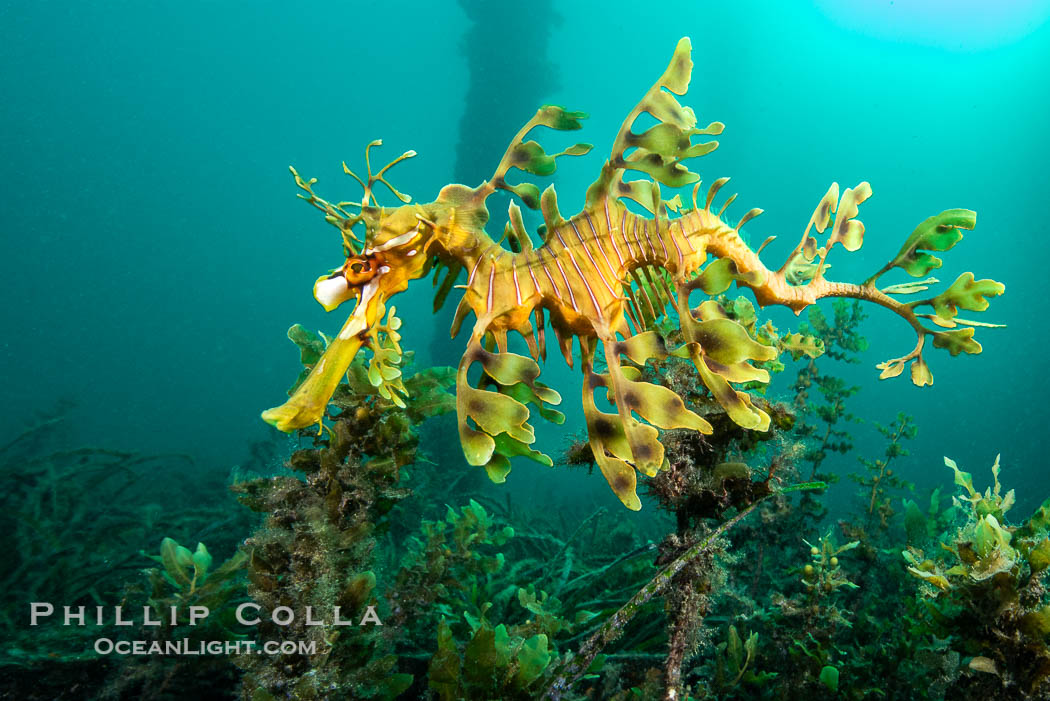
(955, 25)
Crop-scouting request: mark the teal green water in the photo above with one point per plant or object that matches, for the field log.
(154, 252)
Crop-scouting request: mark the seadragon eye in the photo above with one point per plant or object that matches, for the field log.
(358, 271)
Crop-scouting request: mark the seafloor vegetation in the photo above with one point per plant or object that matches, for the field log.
(739, 587)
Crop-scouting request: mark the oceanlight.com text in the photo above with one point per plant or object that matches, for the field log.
(191, 648)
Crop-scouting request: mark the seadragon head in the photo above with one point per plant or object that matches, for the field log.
(392, 253)
(385, 248)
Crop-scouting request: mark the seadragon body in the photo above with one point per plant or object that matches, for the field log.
(604, 276)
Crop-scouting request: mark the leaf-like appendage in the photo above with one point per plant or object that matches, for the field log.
(664, 169)
(530, 157)
(847, 230)
(549, 206)
(641, 191)
(621, 443)
(507, 368)
(384, 372)
(658, 405)
(957, 341)
(679, 71)
(495, 413)
(643, 346)
(720, 274)
(965, 293)
(510, 447)
(891, 368)
(726, 342)
(635, 442)
(799, 345)
(661, 407)
(501, 417)
(557, 117)
(822, 214)
(659, 151)
(609, 445)
(910, 288)
(665, 108)
(737, 404)
(920, 372)
(664, 139)
(529, 194)
(937, 233)
(538, 395)
(721, 350)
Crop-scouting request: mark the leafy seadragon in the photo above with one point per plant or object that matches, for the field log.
(604, 276)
